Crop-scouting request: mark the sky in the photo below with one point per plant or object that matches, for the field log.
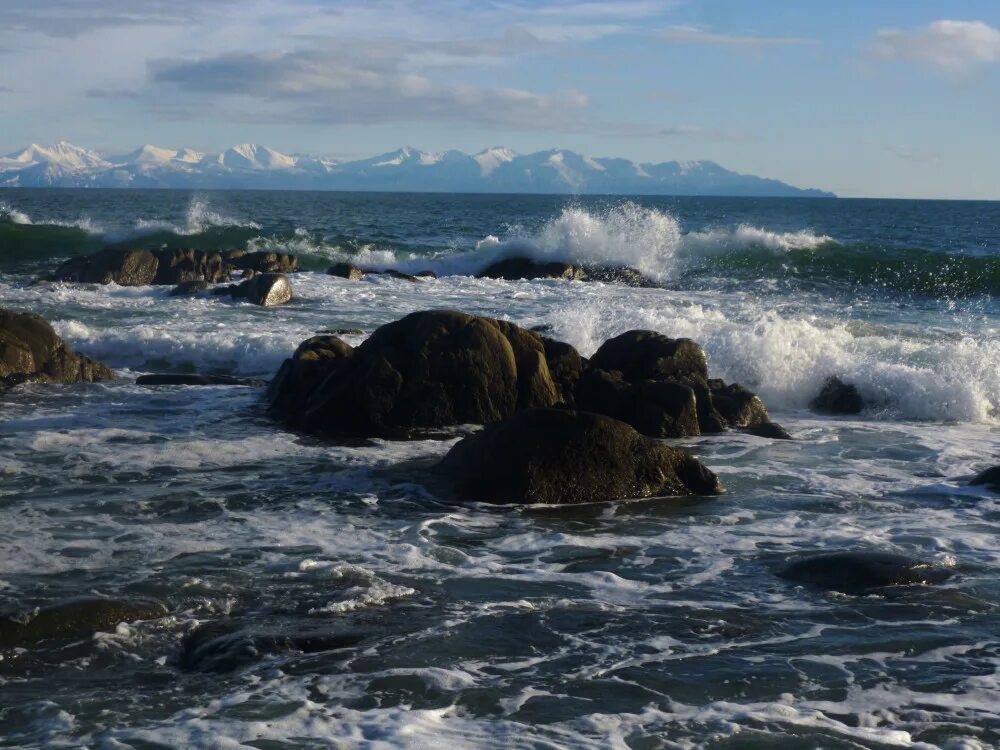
(898, 98)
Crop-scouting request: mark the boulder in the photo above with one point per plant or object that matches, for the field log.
(427, 370)
(856, 572)
(298, 377)
(771, 430)
(122, 267)
(990, 477)
(559, 456)
(76, 618)
(624, 275)
(196, 379)
(266, 262)
(131, 267)
(838, 397)
(658, 408)
(189, 288)
(181, 266)
(648, 355)
(426, 274)
(513, 269)
(31, 351)
(346, 271)
(265, 289)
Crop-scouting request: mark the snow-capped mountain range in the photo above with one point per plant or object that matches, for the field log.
(495, 170)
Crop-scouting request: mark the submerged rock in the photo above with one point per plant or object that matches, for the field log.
(266, 262)
(560, 456)
(265, 289)
(227, 645)
(624, 275)
(838, 397)
(196, 379)
(76, 618)
(853, 572)
(513, 269)
(189, 288)
(346, 271)
(31, 351)
(427, 370)
(989, 477)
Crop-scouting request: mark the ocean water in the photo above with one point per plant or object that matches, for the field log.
(638, 625)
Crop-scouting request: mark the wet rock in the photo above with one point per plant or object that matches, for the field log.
(267, 262)
(31, 351)
(657, 408)
(559, 456)
(513, 269)
(227, 645)
(648, 355)
(394, 274)
(180, 266)
(426, 274)
(265, 289)
(343, 331)
(989, 477)
(624, 275)
(854, 572)
(140, 267)
(542, 328)
(771, 430)
(428, 370)
(190, 288)
(838, 397)
(76, 618)
(196, 379)
(346, 271)
(122, 267)
(312, 362)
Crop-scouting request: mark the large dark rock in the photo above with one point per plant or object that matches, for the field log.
(122, 267)
(989, 477)
(138, 267)
(181, 266)
(624, 275)
(190, 288)
(855, 572)
(265, 289)
(266, 262)
(560, 456)
(77, 618)
(656, 383)
(196, 379)
(31, 351)
(657, 408)
(428, 370)
(838, 397)
(346, 271)
(648, 355)
(227, 645)
(513, 269)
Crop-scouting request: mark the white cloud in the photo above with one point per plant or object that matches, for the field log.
(364, 81)
(694, 35)
(953, 46)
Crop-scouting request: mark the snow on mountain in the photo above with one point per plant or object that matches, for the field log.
(498, 170)
(492, 158)
(252, 156)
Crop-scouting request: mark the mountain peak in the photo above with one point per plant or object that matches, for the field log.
(495, 169)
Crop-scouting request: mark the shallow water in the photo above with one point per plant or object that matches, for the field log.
(641, 625)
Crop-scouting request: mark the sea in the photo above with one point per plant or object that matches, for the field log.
(654, 624)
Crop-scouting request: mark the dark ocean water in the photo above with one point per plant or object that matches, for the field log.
(642, 625)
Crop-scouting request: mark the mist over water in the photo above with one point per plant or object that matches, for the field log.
(642, 625)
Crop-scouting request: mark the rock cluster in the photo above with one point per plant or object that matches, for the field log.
(30, 351)
(513, 269)
(141, 267)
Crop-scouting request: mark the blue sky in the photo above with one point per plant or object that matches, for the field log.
(893, 98)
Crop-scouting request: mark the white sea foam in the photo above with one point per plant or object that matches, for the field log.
(11, 214)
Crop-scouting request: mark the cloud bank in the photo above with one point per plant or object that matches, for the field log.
(951, 46)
